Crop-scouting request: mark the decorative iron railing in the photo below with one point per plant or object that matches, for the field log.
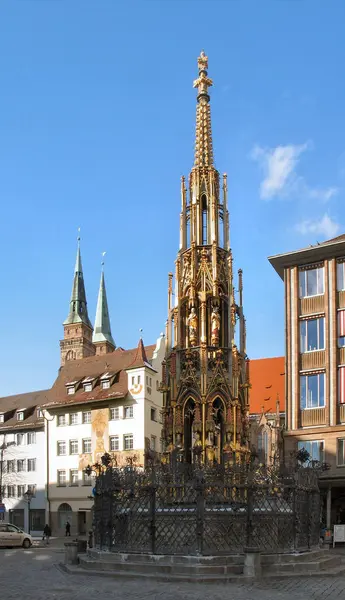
(206, 511)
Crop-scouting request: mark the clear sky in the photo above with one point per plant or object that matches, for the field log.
(97, 118)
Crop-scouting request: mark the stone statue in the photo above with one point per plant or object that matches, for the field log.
(193, 327)
(215, 326)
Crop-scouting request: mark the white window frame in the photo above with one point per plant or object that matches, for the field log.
(70, 447)
(341, 267)
(301, 444)
(21, 437)
(130, 436)
(116, 439)
(307, 375)
(105, 384)
(153, 443)
(20, 415)
(20, 491)
(305, 272)
(306, 322)
(129, 409)
(59, 419)
(74, 414)
(86, 421)
(71, 482)
(31, 462)
(89, 441)
(2, 417)
(114, 411)
(12, 488)
(22, 462)
(58, 479)
(31, 438)
(58, 453)
(88, 387)
(70, 390)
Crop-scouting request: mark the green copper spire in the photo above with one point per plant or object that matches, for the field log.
(102, 331)
(78, 304)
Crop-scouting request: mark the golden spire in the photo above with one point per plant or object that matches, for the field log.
(203, 134)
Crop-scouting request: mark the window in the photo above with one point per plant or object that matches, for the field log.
(70, 390)
(341, 328)
(133, 380)
(20, 465)
(263, 445)
(73, 447)
(2, 417)
(114, 443)
(312, 334)
(11, 491)
(153, 443)
(128, 412)
(150, 381)
(147, 380)
(39, 413)
(105, 384)
(87, 479)
(340, 276)
(312, 391)
(87, 387)
(73, 419)
(10, 466)
(73, 477)
(128, 441)
(61, 420)
(32, 489)
(31, 437)
(20, 439)
(315, 449)
(87, 446)
(138, 379)
(341, 452)
(61, 478)
(61, 449)
(20, 491)
(311, 282)
(20, 416)
(31, 464)
(114, 414)
(204, 218)
(37, 519)
(87, 416)
(341, 385)
(153, 414)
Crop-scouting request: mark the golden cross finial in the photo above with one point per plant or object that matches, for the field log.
(203, 61)
(203, 134)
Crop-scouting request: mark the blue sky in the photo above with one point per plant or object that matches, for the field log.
(97, 118)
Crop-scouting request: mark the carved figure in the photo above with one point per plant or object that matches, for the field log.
(192, 322)
(215, 326)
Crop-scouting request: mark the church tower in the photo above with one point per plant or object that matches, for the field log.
(205, 382)
(77, 342)
(102, 338)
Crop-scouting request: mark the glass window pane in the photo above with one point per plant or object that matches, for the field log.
(320, 281)
(312, 327)
(340, 276)
(321, 378)
(303, 382)
(311, 282)
(312, 393)
(302, 290)
(303, 336)
(321, 333)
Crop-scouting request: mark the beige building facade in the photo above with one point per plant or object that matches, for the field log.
(314, 280)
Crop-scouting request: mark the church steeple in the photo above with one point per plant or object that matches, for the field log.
(205, 377)
(102, 338)
(77, 342)
(78, 305)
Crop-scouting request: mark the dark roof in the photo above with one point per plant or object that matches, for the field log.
(29, 402)
(140, 359)
(333, 248)
(115, 363)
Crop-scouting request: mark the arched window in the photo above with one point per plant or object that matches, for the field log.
(64, 515)
(263, 445)
(204, 219)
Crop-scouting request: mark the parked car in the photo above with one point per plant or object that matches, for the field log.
(13, 536)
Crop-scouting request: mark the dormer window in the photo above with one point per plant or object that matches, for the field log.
(107, 379)
(20, 415)
(39, 413)
(88, 383)
(105, 384)
(70, 389)
(87, 387)
(2, 417)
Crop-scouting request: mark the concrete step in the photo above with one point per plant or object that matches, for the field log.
(304, 567)
(160, 568)
(294, 557)
(176, 559)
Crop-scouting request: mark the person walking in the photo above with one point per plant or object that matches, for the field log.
(68, 529)
(47, 534)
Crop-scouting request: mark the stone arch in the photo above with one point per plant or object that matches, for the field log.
(188, 414)
(64, 515)
(263, 444)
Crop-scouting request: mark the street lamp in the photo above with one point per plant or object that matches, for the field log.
(29, 494)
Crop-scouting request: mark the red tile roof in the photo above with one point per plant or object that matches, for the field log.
(94, 366)
(267, 379)
(29, 402)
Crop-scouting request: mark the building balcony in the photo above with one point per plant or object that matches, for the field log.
(311, 305)
(312, 360)
(313, 416)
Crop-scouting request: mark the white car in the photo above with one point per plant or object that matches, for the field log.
(10, 535)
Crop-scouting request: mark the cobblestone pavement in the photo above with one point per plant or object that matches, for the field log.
(33, 575)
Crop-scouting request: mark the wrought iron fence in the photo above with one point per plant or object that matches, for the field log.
(202, 511)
